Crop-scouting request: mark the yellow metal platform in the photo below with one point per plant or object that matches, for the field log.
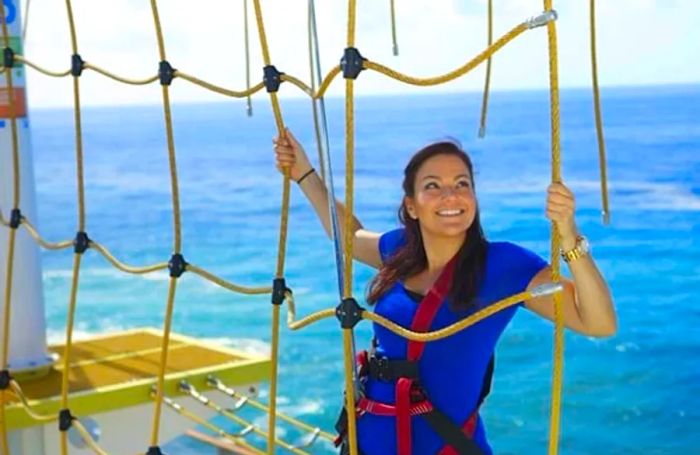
(118, 370)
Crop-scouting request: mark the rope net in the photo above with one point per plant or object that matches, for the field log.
(351, 65)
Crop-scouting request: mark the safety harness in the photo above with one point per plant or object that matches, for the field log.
(410, 397)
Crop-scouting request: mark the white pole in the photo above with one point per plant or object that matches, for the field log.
(27, 321)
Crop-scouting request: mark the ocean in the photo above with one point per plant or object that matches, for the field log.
(635, 393)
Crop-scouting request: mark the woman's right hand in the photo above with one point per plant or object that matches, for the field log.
(289, 153)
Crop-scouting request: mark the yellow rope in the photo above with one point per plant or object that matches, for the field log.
(599, 121)
(220, 90)
(40, 69)
(19, 393)
(177, 230)
(409, 334)
(226, 284)
(87, 437)
(452, 74)
(247, 57)
(348, 340)
(327, 81)
(558, 361)
(195, 418)
(297, 82)
(393, 28)
(487, 82)
(282, 244)
(163, 362)
(25, 20)
(48, 245)
(69, 343)
(125, 80)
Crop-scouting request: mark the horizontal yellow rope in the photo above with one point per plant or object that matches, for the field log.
(227, 284)
(294, 81)
(476, 61)
(261, 407)
(201, 421)
(45, 244)
(217, 89)
(127, 268)
(87, 437)
(327, 82)
(451, 329)
(406, 333)
(17, 391)
(308, 320)
(21, 59)
(240, 420)
(125, 80)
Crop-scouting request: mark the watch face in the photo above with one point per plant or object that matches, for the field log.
(584, 245)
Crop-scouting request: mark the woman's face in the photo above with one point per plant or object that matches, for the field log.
(444, 202)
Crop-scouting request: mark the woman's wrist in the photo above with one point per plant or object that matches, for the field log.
(306, 174)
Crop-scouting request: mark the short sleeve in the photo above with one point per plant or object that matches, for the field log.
(390, 242)
(523, 264)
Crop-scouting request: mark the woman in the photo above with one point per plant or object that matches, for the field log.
(424, 399)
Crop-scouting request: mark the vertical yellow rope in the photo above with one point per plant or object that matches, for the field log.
(12, 233)
(599, 121)
(558, 361)
(177, 237)
(25, 21)
(282, 242)
(247, 57)
(348, 344)
(393, 28)
(155, 428)
(69, 342)
(487, 83)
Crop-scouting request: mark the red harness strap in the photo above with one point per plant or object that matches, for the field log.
(427, 310)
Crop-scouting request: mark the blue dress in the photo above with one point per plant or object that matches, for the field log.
(451, 369)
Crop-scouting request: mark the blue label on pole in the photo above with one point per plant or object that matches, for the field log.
(10, 11)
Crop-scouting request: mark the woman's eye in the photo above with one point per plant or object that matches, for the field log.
(431, 186)
(463, 184)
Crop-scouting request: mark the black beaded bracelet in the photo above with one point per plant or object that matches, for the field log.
(308, 173)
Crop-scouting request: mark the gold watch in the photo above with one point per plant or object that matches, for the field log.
(581, 249)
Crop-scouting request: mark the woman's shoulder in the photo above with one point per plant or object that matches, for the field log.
(510, 256)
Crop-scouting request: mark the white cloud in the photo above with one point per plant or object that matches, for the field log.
(639, 42)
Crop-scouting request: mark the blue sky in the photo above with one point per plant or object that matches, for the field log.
(639, 42)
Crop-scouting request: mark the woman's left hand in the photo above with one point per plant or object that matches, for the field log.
(561, 208)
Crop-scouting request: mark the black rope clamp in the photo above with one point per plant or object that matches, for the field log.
(5, 379)
(154, 450)
(65, 420)
(76, 65)
(177, 265)
(279, 291)
(81, 242)
(272, 78)
(351, 63)
(8, 57)
(15, 218)
(349, 313)
(166, 72)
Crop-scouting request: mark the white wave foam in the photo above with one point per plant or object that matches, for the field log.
(250, 345)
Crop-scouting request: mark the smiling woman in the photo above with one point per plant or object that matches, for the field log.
(436, 270)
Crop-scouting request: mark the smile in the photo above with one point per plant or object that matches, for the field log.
(452, 212)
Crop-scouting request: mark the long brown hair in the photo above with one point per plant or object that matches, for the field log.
(410, 258)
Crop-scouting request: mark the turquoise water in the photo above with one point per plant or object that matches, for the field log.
(636, 393)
